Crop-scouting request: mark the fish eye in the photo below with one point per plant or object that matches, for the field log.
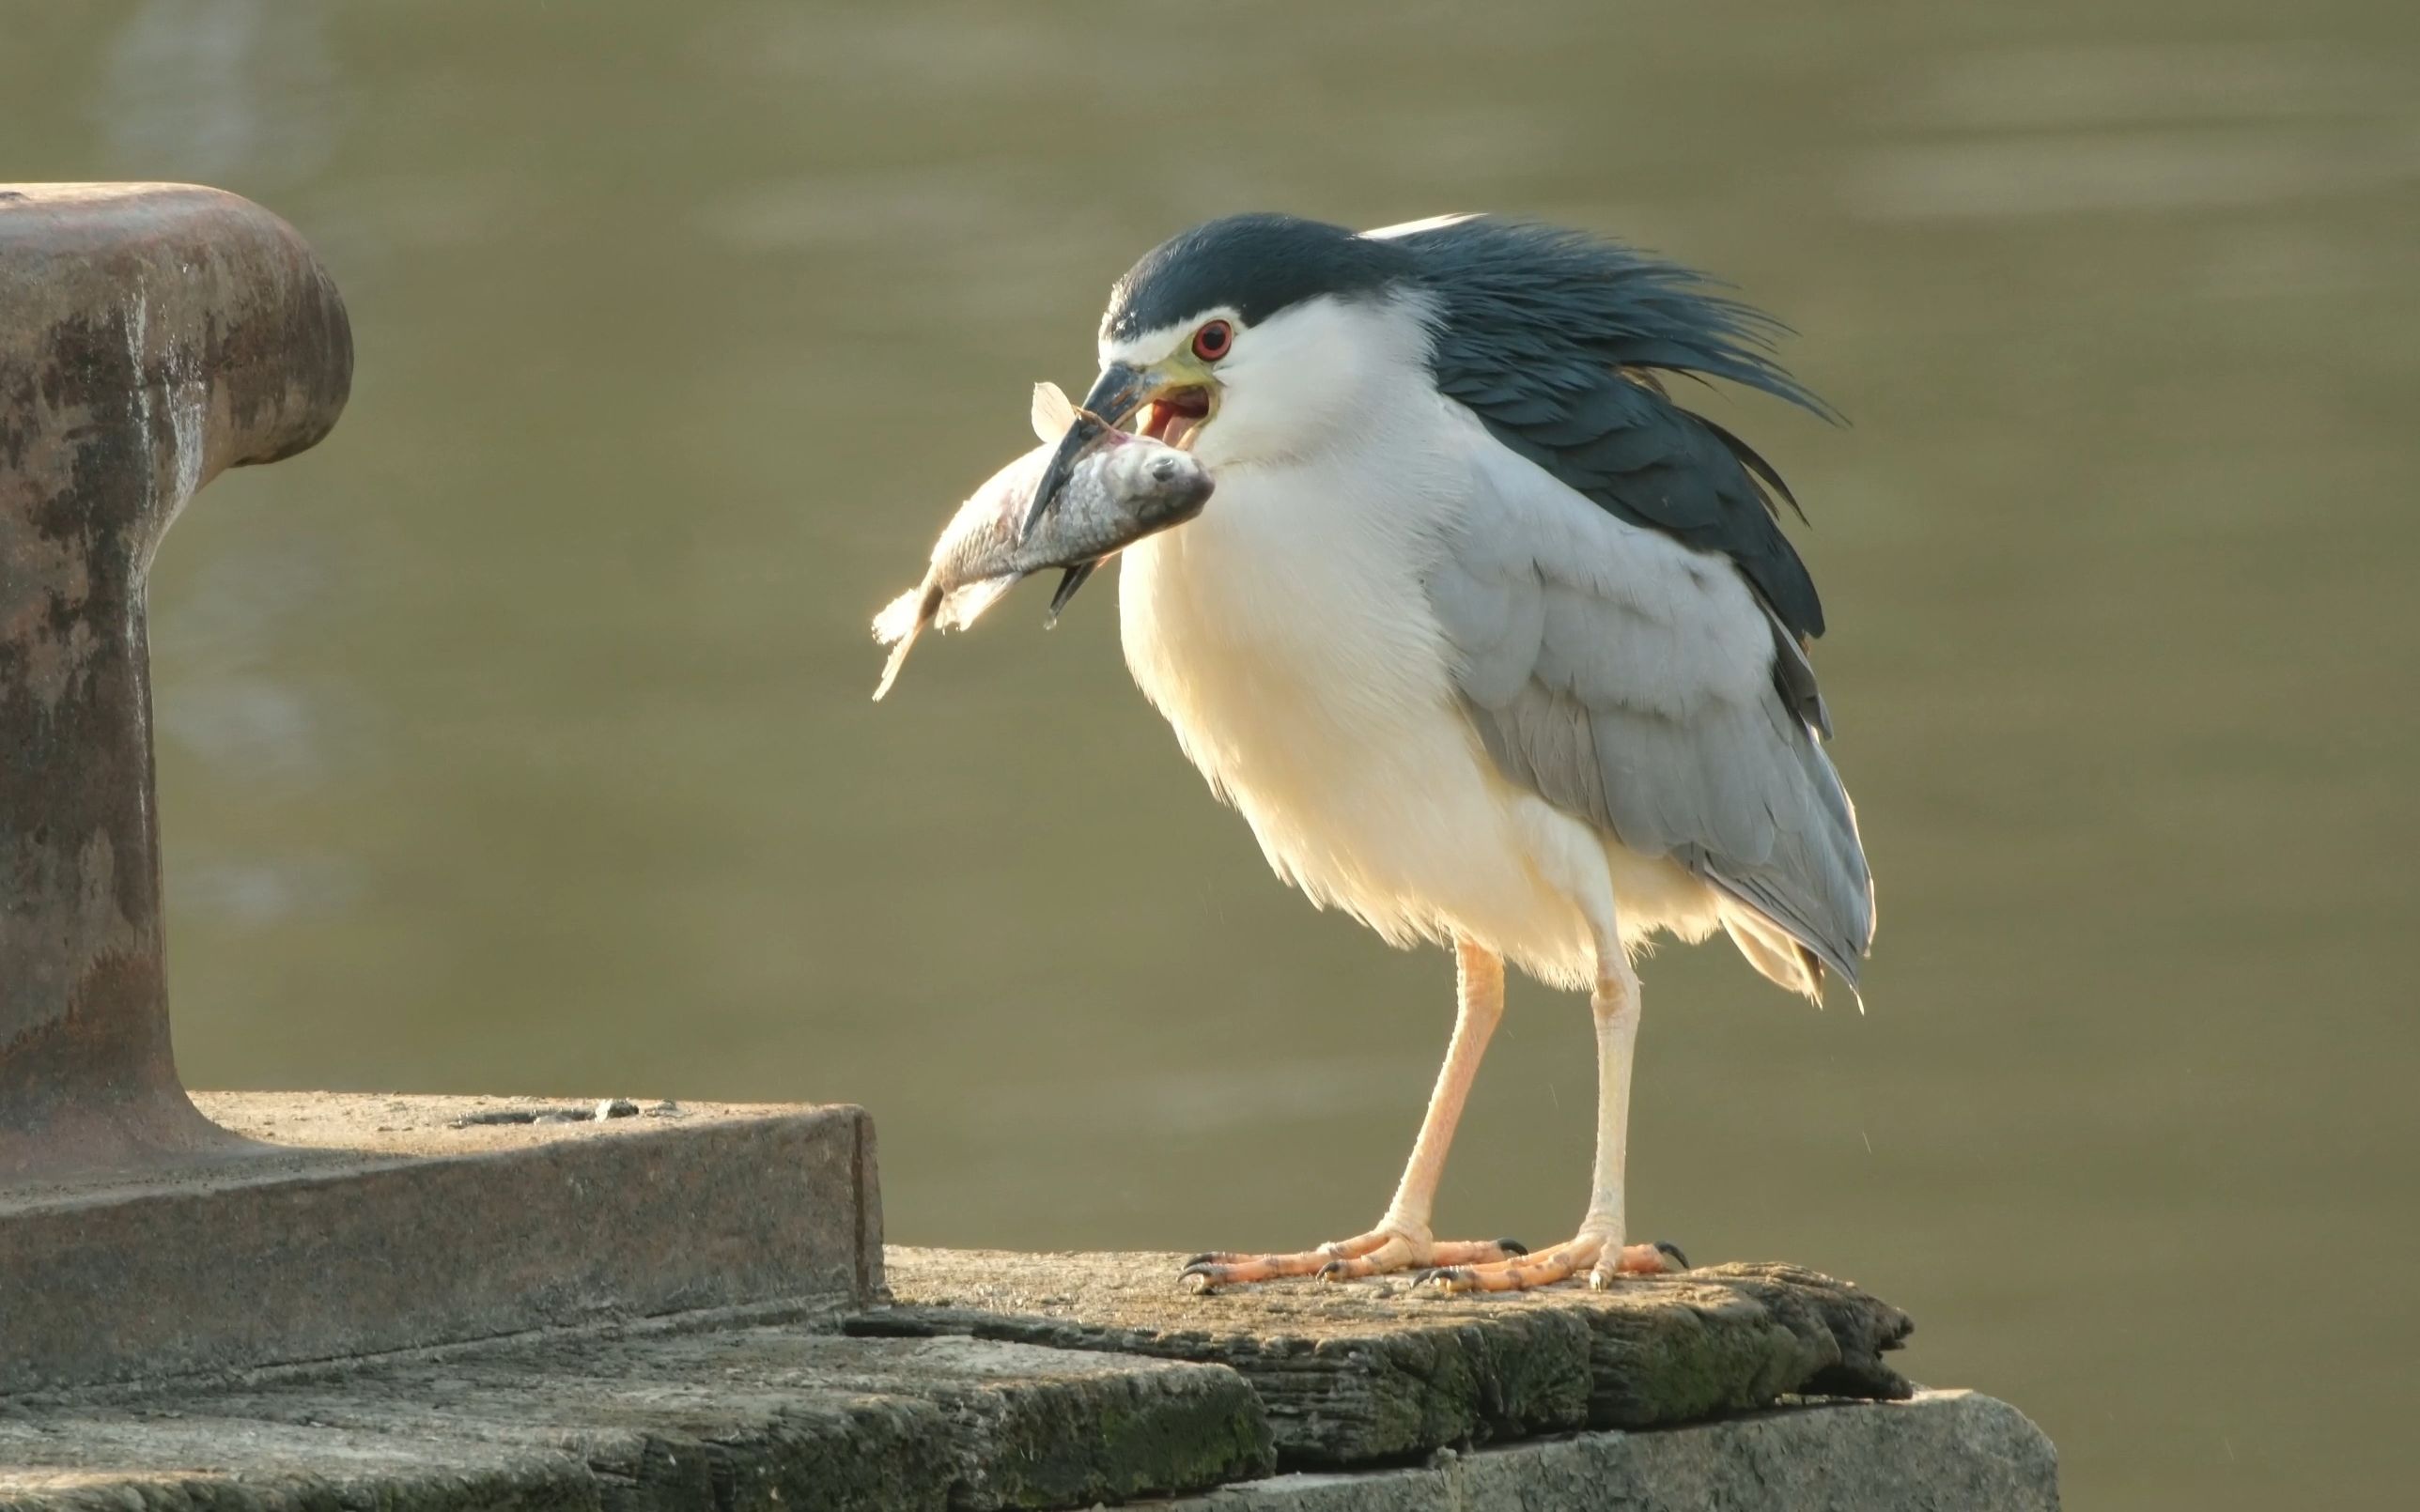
(1211, 341)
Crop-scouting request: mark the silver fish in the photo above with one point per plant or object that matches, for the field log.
(1127, 487)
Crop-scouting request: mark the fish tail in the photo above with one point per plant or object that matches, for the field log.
(900, 618)
(898, 659)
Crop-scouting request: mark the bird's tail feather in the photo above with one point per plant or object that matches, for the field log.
(1780, 959)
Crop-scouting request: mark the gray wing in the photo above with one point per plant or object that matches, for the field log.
(1640, 685)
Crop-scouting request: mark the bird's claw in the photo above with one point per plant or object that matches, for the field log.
(1448, 1280)
(1207, 1271)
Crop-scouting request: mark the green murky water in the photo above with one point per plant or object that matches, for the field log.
(516, 739)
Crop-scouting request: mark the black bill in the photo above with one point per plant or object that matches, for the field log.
(1116, 394)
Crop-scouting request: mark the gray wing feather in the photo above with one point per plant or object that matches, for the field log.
(1655, 701)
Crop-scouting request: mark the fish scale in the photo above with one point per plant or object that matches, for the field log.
(1125, 487)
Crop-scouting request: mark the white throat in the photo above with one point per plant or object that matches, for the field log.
(1286, 633)
(1332, 500)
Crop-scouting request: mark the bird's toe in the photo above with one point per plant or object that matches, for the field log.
(1634, 1260)
(1380, 1252)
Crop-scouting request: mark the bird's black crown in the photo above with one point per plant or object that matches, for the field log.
(1255, 265)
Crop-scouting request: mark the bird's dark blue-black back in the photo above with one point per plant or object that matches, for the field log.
(1551, 337)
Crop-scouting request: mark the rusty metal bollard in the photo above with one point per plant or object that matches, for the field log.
(151, 336)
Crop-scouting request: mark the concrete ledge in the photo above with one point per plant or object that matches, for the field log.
(146, 1463)
(772, 1420)
(782, 1419)
(355, 1225)
(1939, 1452)
(785, 1407)
(1359, 1372)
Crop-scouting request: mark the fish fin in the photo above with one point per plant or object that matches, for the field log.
(959, 608)
(1052, 413)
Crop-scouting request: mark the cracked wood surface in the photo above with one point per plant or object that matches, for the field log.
(1359, 1372)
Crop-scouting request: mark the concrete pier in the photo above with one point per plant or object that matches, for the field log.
(264, 1302)
(1297, 1397)
(1370, 1372)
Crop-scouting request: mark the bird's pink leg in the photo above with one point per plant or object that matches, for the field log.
(1402, 1242)
(1597, 1249)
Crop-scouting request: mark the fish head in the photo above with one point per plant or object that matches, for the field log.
(1131, 487)
(1154, 483)
(1170, 400)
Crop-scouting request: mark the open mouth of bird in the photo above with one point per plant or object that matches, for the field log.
(1175, 416)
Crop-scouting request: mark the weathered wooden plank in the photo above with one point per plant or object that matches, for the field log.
(1356, 1372)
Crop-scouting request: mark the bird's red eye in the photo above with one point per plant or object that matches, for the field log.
(1211, 341)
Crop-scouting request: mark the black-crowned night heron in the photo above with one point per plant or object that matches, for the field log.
(1491, 641)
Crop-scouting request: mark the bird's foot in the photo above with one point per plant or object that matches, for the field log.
(1601, 1262)
(1379, 1252)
